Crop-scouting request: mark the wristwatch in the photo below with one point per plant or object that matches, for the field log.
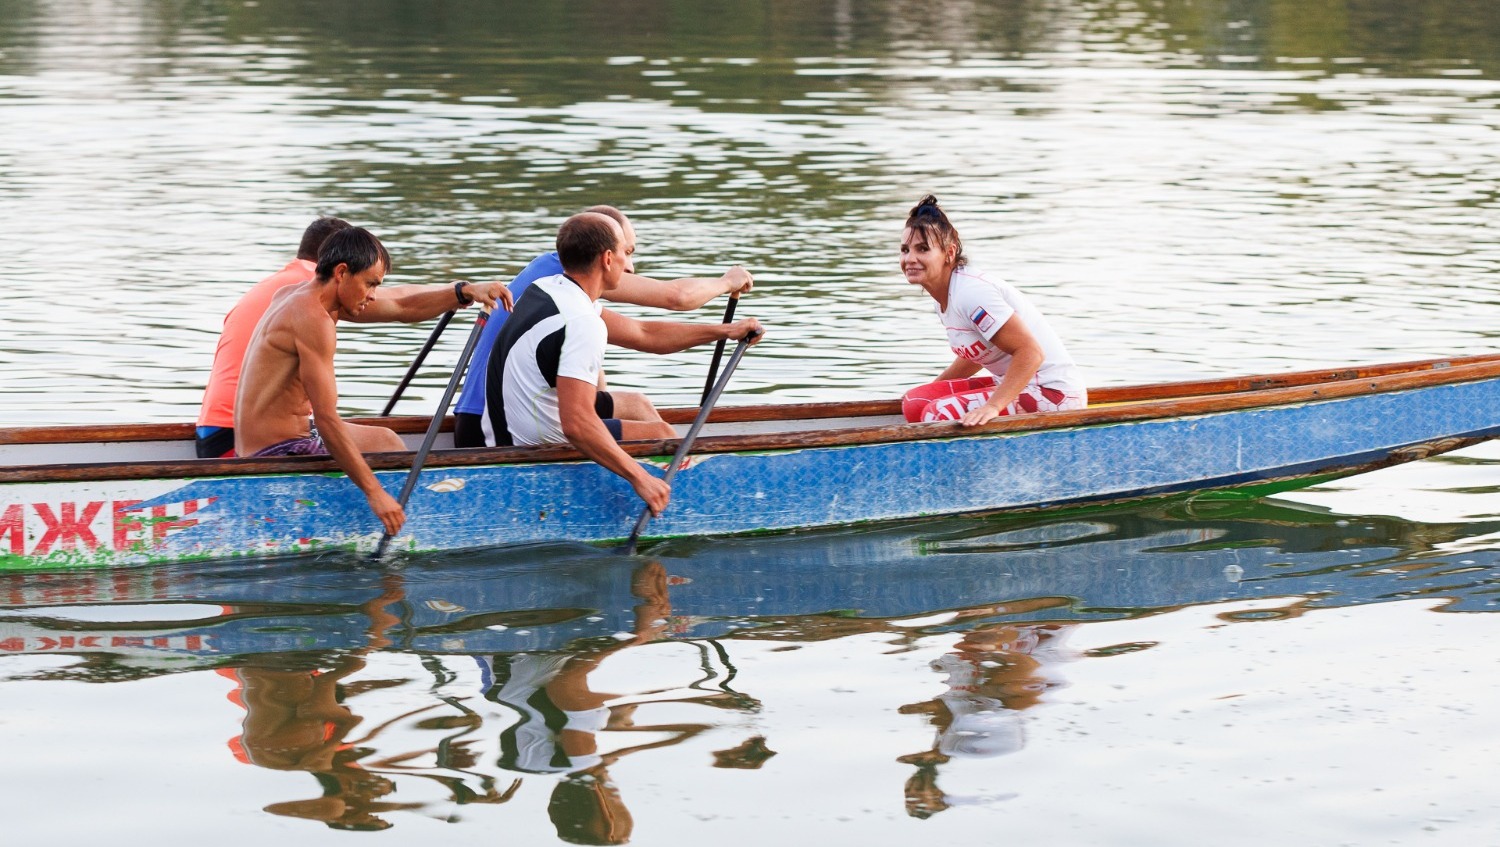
(458, 291)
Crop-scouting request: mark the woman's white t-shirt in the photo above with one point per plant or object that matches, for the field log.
(978, 305)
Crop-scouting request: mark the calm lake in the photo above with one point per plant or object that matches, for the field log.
(1188, 188)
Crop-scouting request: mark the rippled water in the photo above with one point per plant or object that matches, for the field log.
(1186, 188)
(1160, 675)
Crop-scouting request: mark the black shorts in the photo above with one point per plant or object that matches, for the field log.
(468, 428)
(215, 442)
(604, 407)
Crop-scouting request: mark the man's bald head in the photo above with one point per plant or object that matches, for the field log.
(610, 212)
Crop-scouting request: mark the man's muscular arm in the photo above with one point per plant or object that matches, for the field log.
(679, 295)
(673, 336)
(412, 303)
(315, 346)
(584, 430)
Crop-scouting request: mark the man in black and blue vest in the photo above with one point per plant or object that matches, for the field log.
(543, 377)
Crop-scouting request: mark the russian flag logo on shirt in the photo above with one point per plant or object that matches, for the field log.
(981, 319)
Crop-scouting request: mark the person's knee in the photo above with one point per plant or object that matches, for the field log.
(954, 406)
(377, 439)
(912, 407)
(926, 392)
(634, 406)
(915, 401)
(645, 430)
(639, 405)
(390, 442)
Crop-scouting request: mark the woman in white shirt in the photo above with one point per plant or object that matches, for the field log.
(991, 325)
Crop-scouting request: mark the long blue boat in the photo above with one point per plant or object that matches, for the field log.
(100, 497)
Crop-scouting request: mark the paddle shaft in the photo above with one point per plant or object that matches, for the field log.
(437, 420)
(442, 324)
(691, 436)
(713, 369)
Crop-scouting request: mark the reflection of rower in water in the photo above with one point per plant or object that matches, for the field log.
(993, 674)
(560, 717)
(296, 720)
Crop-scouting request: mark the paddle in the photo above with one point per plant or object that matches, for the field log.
(442, 324)
(713, 369)
(437, 419)
(692, 434)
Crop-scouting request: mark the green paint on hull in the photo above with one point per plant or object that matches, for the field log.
(1232, 494)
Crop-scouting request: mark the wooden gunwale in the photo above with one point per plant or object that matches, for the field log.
(1129, 403)
(410, 425)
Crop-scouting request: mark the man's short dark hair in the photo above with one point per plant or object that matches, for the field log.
(353, 246)
(316, 233)
(585, 237)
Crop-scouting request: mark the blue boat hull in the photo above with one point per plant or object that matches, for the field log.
(66, 525)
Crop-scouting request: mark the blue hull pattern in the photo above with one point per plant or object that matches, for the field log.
(724, 494)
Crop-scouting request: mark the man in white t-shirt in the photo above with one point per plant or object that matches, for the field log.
(544, 371)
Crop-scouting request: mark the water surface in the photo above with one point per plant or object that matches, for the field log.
(1091, 672)
(1186, 188)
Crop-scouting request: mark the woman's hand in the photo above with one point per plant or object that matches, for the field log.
(981, 414)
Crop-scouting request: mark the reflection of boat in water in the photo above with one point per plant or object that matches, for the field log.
(1093, 566)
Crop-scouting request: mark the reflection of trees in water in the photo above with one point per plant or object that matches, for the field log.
(1441, 30)
(554, 54)
(469, 196)
(549, 53)
(18, 36)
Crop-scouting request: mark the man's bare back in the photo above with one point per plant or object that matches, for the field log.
(272, 405)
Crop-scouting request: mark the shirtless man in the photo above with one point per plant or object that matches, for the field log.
(288, 370)
(543, 380)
